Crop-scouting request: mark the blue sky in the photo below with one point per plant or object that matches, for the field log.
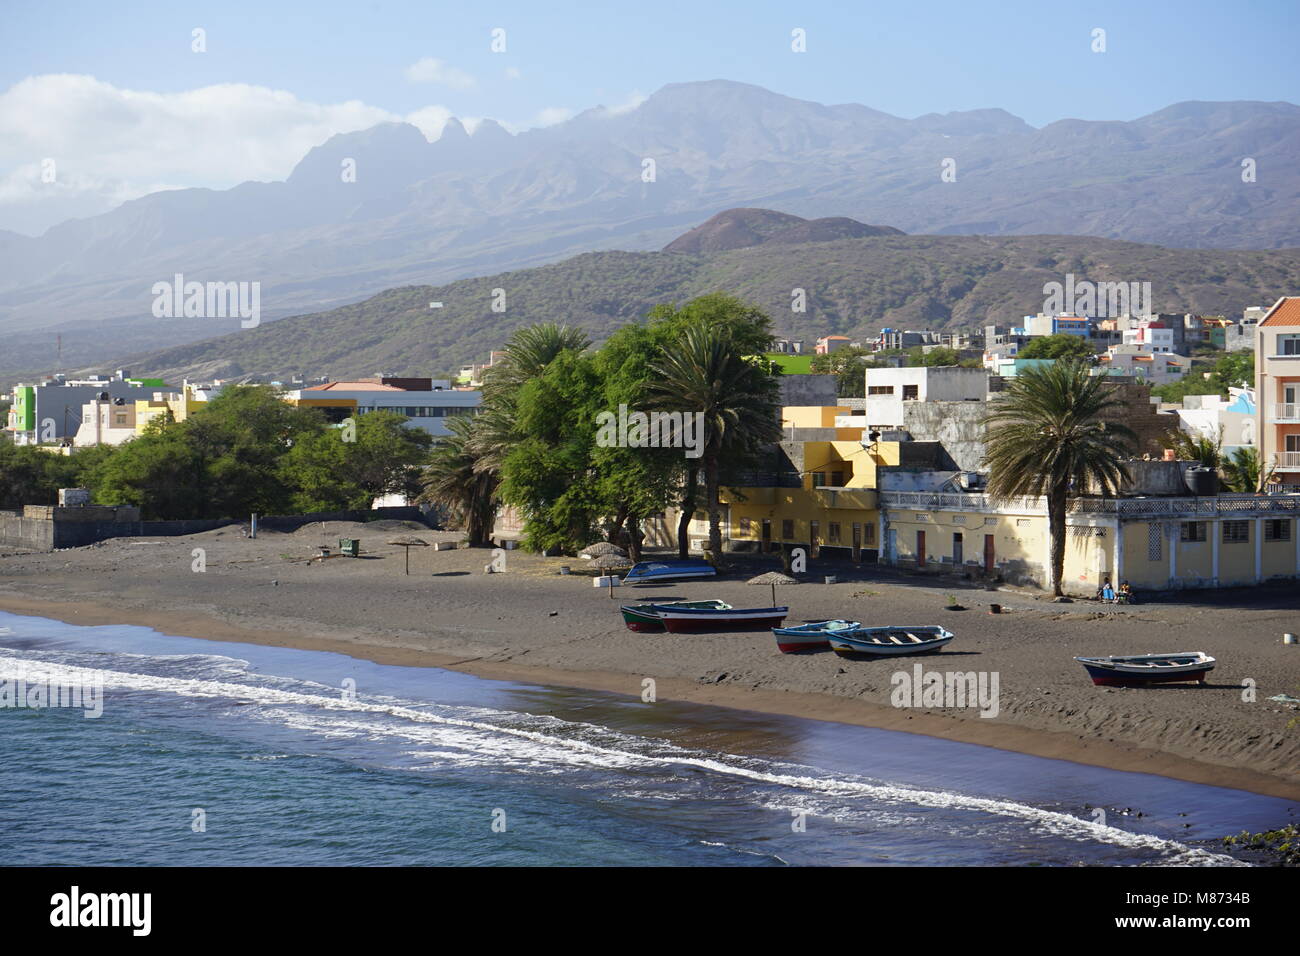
(115, 93)
(1032, 58)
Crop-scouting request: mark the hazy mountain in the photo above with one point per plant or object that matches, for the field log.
(421, 212)
(742, 228)
(853, 286)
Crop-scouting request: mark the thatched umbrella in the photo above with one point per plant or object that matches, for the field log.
(608, 562)
(773, 578)
(601, 548)
(408, 542)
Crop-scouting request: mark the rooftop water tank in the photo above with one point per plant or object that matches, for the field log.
(1202, 481)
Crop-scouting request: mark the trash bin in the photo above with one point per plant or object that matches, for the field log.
(350, 546)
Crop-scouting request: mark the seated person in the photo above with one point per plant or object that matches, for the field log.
(1107, 592)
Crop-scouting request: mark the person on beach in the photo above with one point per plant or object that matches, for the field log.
(1107, 592)
(1125, 594)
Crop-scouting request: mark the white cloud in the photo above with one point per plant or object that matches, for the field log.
(634, 99)
(552, 115)
(429, 70)
(110, 144)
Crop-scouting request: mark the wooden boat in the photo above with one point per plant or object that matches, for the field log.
(892, 641)
(652, 572)
(1148, 668)
(645, 618)
(810, 637)
(684, 620)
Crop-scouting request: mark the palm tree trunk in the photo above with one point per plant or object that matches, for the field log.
(687, 513)
(1057, 503)
(711, 496)
(634, 536)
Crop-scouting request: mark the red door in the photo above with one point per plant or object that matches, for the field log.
(920, 549)
(988, 554)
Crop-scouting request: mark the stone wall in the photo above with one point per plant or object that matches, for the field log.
(955, 425)
(45, 528)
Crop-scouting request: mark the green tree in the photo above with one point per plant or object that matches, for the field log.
(1242, 472)
(1199, 448)
(848, 365)
(1058, 346)
(548, 473)
(343, 468)
(704, 371)
(467, 493)
(1053, 433)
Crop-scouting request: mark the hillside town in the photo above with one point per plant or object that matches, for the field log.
(893, 472)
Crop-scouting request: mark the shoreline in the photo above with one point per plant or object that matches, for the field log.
(1052, 744)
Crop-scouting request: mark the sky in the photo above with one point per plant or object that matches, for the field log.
(103, 102)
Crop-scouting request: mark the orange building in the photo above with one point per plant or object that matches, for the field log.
(1277, 390)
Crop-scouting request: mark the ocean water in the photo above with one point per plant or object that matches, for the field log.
(295, 757)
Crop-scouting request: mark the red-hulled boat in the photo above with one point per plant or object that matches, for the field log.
(691, 620)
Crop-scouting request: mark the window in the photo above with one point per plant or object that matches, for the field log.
(819, 478)
(837, 479)
(1155, 538)
(833, 532)
(744, 526)
(871, 533)
(1192, 531)
(911, 392)
(1277, 529)
(121, 418)
(880, 390)
(1236, 532)
(1288, 345)
(787, 529)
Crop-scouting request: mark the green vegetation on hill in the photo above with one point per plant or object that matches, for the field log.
(853, 287)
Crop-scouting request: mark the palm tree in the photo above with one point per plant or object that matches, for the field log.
(527, 353)
(1052, 434)
(454, 480)
(1200, 448)
(1241, 471)
(704, 371)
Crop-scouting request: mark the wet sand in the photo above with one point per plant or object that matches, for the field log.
(533, 624)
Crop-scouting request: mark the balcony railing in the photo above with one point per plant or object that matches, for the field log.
(1286, 412)
(1124, 507)
(1286, 459)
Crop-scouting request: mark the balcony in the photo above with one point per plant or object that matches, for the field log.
(1286, 460)
(1284, 412)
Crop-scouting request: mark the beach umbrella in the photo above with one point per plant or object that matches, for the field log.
(602, 548)
(773, 578)
(608, 562)
(407, 543)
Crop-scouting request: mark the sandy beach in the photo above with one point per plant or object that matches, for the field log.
(534, 624)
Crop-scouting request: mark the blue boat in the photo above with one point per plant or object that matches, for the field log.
(652, 572)
(892, 641)
(810, 637)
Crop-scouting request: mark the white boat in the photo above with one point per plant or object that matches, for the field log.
(1148, 668)
(892, 641)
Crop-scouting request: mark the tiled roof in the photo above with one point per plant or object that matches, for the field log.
(1285, 311)
(353, 387)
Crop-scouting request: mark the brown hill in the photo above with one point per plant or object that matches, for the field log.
(743, 228)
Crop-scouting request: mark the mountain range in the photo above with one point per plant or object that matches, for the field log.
(423, 212)
(855, 278)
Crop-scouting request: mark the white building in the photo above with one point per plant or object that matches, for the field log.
(1212, 417)
(889, 388)
(426, 403)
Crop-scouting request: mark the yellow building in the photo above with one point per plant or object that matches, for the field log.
(1153, 543)
(181, 404)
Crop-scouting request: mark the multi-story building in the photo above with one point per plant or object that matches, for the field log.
(1154, 368)
(51, 412)
(427, 403)
(829, 343)
(888, 389)
(1150, 335)
(1277, 390)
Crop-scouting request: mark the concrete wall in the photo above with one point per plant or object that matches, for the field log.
(955, 425)
(44, 528)
(808, 390)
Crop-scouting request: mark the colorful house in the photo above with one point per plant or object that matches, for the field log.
(1277, 390)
